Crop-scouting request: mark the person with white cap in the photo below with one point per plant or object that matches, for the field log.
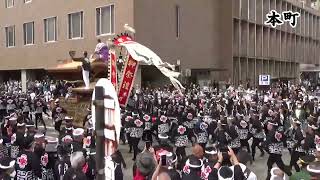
(77, 143)
(192, 169)
(68, 129)
(7, 171)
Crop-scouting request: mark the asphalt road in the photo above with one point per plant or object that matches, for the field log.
(259, 166)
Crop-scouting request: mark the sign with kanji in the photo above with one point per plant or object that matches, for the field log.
(125, 87)
(113, 69)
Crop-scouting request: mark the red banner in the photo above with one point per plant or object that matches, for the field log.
(128, 76)
(113, 70)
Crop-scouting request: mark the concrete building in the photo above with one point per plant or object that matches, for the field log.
(212, 39)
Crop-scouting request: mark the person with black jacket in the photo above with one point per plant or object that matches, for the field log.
(297, 150)
(275, 144)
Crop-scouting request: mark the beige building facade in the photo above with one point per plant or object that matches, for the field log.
(212, 39)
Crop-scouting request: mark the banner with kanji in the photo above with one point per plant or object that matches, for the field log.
(126, 85)
(113, 69)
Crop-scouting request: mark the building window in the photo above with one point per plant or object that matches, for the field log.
(177, 10)
(75, 21)
(28, 30)
(105, 20)
(10, 36)
(50, 29)
(9, 3)
(27, 1)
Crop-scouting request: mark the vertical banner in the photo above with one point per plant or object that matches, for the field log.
(113, 69)
(128, 76)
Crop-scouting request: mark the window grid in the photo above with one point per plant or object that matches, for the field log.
(70, 25)
(9, 3)
(28, 41)
(46, 29)
(10, 43)
(99, 17)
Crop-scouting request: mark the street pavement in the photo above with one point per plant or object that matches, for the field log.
(259, 166)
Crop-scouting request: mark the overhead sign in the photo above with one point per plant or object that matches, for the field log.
(264, 80)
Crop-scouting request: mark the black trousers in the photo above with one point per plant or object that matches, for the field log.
(181, 153)
(39, 117)
(294, 158)
(57, 125)
(147, 135)
(245, 143)
(255, 143)
(276, 158)
(129, 141)
(123, 136)
(135, 143)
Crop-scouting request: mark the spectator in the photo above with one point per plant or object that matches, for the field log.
(145, 165)
(314, 170)
(75, 172)
(303, 174)
(7, 170)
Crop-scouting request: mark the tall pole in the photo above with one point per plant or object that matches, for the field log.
(99, 111)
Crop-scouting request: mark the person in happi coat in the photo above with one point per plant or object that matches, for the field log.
(77, 143)
(310, 140)
(201, 131)
(68, 129)
(63, 162)
(136, 131)
(40, 108)
(211, 158)
(27, 162)
(234, 137)
(180, 138)
(48, 158)
(7, 171)
(192, 169)
(243, 131)
(297, 149)
(11, 105)
(172, 163)
(162, 124)
(26, 110)
(58, 114)
(3, 149)
(3, 108)
(147, 133)
(275, 144)
(17, 140)
(258, 135)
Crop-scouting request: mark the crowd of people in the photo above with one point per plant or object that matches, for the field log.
(224, 127)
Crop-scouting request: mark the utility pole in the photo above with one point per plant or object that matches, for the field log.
(99, 112)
